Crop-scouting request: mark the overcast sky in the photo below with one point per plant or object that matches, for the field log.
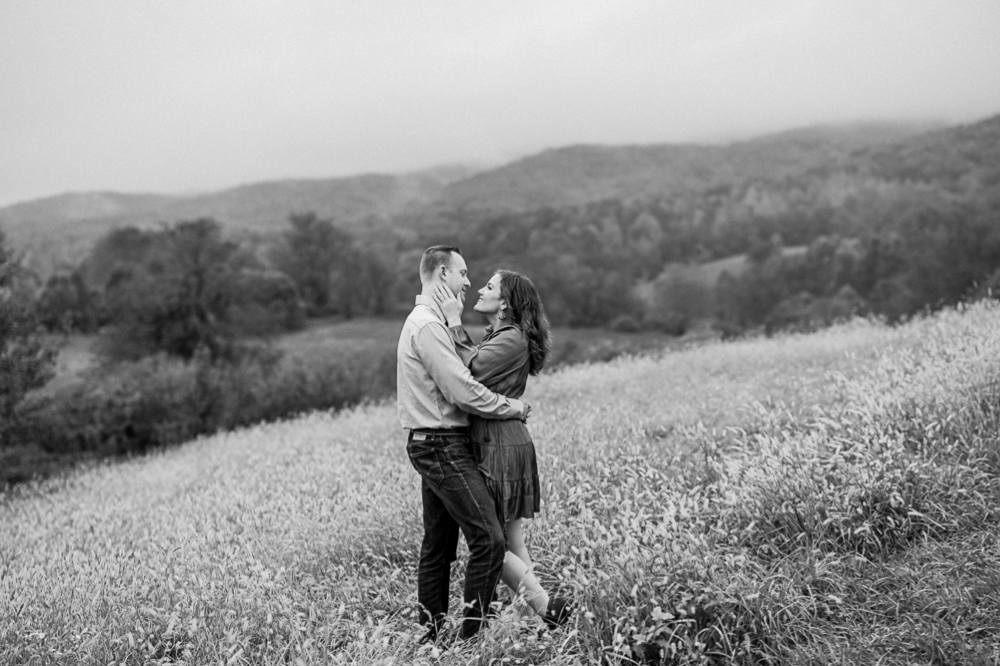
(190, 95)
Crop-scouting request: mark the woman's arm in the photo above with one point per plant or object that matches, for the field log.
(498, 354)
(495, 355)
(464, 345)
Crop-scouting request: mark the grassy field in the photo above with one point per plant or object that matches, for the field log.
(829, 498)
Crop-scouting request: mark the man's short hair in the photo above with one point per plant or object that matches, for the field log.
(438, 255)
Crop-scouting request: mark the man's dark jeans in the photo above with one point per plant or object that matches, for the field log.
(455, 497)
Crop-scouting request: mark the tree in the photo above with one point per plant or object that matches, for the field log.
(309, 255)
(178, 300)
(124, 246)
(361, 283)
(26, 362)
(645, 237)
(67, 304)
(189, 289)
(744, 302)
(265, 302)
(679, 295)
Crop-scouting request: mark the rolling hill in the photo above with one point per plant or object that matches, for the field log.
(578, 175)
(59, 230)
(62, 228)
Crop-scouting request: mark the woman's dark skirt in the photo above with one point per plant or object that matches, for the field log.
(511, 472)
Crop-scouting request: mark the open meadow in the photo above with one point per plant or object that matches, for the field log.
(804, 499)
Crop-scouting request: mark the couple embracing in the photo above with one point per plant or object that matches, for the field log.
(468, 439)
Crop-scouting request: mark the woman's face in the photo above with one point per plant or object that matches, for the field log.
(489, 297)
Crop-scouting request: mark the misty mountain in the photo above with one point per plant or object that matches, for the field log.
(578, 175)
(785, 230)
(959, 158)
(60, 230)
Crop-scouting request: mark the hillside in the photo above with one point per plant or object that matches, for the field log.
(891, 220)
(962, 158)
(578, 175)
(890, 225)
(61, 229)
(828, 498)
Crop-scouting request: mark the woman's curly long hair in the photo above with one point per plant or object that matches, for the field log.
(524, 307)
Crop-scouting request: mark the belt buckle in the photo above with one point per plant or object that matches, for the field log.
(418, 436)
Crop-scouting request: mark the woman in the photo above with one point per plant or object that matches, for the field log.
(516, 345)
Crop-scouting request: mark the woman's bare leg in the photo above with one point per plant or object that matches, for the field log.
(517, 573)
(515, 540)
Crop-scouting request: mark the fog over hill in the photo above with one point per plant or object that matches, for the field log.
(257, 206)
(578, 175)
(59, 230)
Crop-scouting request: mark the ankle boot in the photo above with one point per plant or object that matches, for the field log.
(558, 611)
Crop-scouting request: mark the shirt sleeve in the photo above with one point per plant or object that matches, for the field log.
(497, 355)
(464, 346)
(437, 352)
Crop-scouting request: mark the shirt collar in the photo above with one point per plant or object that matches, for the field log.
(432, 304)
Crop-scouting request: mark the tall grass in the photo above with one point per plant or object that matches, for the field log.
(801, 500)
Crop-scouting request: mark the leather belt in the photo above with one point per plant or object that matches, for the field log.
(420, 434)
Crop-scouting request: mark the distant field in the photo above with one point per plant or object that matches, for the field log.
(353, 334)
(828, 498)
(375, 337)
(368, 335)
(709, 272)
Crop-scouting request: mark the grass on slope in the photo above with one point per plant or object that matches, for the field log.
(801, 500)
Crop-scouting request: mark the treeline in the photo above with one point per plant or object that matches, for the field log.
(888, 230)
(890, 251)
(812, 250)
(924, 251)
(187, 286)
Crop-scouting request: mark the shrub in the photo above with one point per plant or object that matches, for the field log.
(681, 290)
(265, 303)
(67, 304)
(162, 400)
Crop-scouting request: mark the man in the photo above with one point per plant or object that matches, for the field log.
(435, 391)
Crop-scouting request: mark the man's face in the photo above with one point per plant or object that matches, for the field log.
(456, 277)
